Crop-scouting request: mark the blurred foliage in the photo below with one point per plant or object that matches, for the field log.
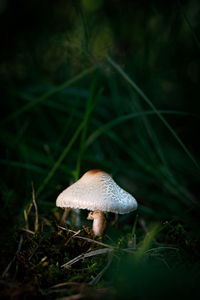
(66, 109)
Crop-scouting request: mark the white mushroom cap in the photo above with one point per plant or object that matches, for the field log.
(96, 190)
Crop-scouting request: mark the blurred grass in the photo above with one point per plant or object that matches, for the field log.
(46, 96)
(141, 93)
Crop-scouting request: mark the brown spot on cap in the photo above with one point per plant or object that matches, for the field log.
(94, 171)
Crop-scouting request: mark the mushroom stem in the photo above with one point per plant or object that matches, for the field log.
(99, 222)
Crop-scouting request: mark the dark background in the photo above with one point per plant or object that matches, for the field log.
(45, 44)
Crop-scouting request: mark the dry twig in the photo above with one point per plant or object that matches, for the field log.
(87, 254)
(11, 262)
(36, 209)
(64, 216)
(26, 214)
(86, 239)
(73, 283)
(74, 235)
(46, 222)
(28, 230)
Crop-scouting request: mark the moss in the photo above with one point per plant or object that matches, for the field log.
(38, 263)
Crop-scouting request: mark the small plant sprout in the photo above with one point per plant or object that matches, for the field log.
(97, 192)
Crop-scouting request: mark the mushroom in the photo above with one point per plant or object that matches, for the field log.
(98, 192)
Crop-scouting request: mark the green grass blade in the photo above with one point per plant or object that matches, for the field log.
(27, 166)
(89, 108)
(156, 144)
(148, 239)
(122, 119)
(60, 159)
(148, 101)
(189, 24)
(134, 225)
(47, 95)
